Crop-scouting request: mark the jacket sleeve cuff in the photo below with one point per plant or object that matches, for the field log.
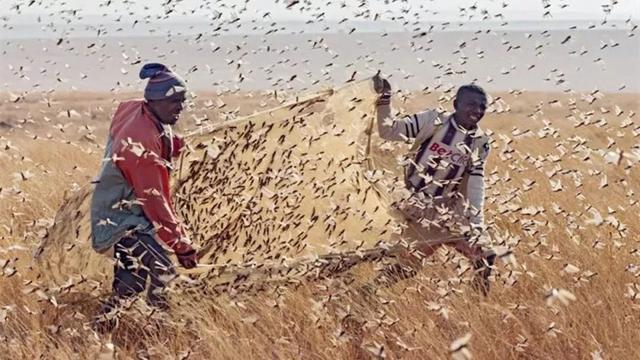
(182, 247)
(383, 99)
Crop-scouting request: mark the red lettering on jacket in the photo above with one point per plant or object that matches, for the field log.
(443, 152)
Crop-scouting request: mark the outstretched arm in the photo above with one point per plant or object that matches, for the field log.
(403, 128)
(389, 128)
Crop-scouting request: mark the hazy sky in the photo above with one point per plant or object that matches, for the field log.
(434, 10)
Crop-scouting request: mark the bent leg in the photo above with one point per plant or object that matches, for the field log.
(161, 270)
(129, 279)
(407, 259)
(470, 251)
(130, 273)
(482, 263)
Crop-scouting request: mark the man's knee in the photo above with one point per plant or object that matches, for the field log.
(127, 283)
(155, 256)
(471, 251)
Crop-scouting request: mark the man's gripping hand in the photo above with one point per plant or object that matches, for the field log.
(382, 87)
(187, 255)
(188, 260)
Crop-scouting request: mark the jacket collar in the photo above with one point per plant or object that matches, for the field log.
(152, 116)
(165, 131)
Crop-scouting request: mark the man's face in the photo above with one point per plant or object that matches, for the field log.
(470, 108)
(168, 110)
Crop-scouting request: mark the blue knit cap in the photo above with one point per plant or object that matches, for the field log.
(162, 82)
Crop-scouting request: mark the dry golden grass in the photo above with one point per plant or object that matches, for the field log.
(556, 248)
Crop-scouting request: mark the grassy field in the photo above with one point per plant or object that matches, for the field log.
(562, 193)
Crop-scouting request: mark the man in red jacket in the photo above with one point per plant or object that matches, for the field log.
(131, 208)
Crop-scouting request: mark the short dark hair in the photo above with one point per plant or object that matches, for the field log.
(470, 88)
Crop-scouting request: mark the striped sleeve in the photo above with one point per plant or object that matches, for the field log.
(403, 128)
(475, 185)
(478, 158)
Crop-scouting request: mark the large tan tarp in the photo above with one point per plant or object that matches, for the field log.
(287, 186)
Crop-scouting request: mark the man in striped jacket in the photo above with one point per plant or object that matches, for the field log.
(444, 176)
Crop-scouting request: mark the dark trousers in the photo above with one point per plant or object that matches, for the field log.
(138, 258)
